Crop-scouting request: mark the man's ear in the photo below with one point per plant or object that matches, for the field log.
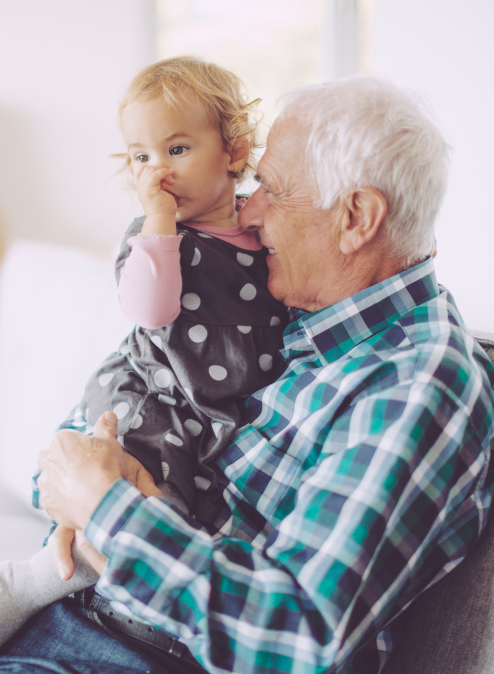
(239, 154)
(364, 209)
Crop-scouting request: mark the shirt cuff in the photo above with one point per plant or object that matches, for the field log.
(111, 515)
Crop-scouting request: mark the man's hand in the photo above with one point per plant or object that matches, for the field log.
(93, 556)
(130, 468)
(77, 471)
(134, 472)
(61, 543)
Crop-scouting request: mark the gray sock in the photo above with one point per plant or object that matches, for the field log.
(28, 586)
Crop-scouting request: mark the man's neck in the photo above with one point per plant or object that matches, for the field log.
(356, 273)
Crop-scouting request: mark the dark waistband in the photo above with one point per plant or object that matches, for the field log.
(119, 622)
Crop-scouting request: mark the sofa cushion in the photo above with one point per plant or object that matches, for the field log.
(58, 321)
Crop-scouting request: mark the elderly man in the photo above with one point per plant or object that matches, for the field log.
(361, 475)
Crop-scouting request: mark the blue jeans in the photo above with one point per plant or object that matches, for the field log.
(67, 639)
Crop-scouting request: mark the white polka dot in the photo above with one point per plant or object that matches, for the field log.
(198, 333)
(244, 259)
(173, 439)
(217, 372)
(248, 292)
(121, 410)
(124, 349)
(274, 321)
(132, 362)
(216, 426)
(166, 469)
(168, 400)
(244, 329)
(137, 423)
(157, 341)
(106, 378)
(162, 378)
(202, 483)
(191, 301)
(266, 362)
(188, 393)
(204, 235)
(193, 426)
(197, 257)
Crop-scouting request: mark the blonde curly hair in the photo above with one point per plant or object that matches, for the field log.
(222, 93)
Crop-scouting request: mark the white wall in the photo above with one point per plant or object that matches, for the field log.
(64, 65)
(445, 49)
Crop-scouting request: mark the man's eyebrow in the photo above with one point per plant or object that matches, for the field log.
(263, 182)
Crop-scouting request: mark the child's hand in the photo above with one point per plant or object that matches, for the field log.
(155, 200)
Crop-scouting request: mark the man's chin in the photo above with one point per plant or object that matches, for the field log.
(277, 289)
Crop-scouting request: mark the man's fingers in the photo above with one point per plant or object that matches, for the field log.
(61, 543)
(134, 472)
(106, 427)
(93, 556)
(146, 484)
(42, 455)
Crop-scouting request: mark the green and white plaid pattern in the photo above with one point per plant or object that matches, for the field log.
(362, 477)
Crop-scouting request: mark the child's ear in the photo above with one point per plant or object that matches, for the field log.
(239, 154)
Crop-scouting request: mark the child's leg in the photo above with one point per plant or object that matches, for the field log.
(28, 586)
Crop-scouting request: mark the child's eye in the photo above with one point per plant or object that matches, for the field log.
(142, 158)
(177, 150)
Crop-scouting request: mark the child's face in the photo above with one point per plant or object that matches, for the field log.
(183, 140)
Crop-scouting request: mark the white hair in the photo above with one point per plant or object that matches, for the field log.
(366, 132)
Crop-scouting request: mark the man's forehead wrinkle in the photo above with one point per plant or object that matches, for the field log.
(267, 176)
(285, 153)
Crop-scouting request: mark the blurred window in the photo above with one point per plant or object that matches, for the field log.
(273, 45)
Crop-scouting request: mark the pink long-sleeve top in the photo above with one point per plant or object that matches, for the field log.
(150, 284)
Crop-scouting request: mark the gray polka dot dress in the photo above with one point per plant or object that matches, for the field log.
(177, 391)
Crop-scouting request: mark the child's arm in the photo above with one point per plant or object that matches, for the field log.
(150, 283)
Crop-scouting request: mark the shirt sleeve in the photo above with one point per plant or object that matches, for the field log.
(150, 282)
(395, 499)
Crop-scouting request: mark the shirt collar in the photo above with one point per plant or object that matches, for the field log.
(336, 329)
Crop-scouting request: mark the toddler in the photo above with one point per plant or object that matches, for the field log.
(195, 284)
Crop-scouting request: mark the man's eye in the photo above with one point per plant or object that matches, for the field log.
(142, 158)
(178, 149)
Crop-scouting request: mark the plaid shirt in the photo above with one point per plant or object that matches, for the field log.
(362, 478)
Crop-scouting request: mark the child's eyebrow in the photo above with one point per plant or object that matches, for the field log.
(173, 135)
(179, 135)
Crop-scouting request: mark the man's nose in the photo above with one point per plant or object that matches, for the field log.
(251, 216)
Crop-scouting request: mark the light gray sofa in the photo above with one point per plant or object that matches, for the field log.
(58, 321)
(450, 628)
